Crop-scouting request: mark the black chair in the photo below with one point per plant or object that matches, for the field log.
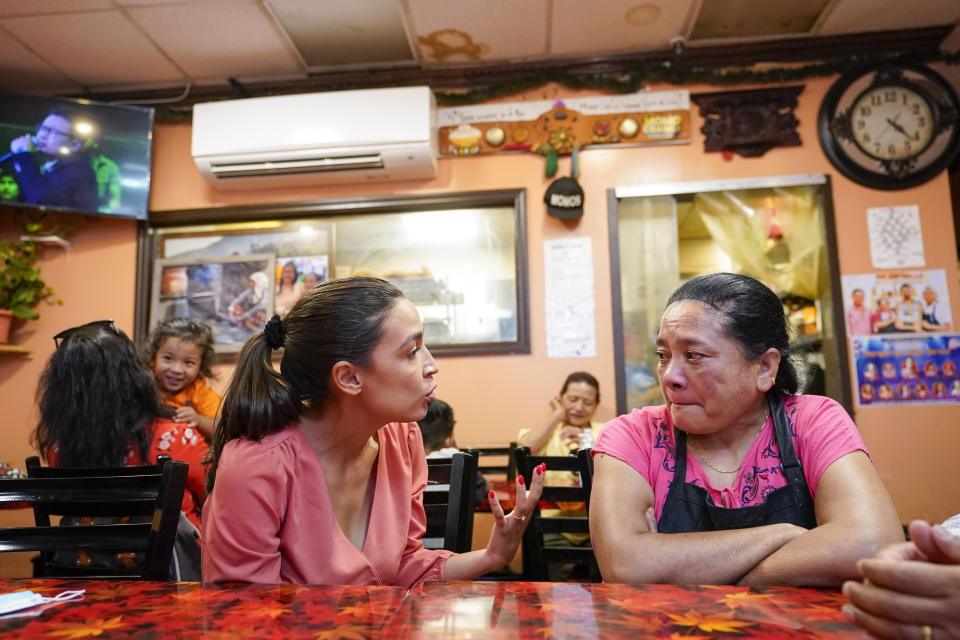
(139, 505)
(448, 501)
(502, 465)
(537, 557)
(585, 460)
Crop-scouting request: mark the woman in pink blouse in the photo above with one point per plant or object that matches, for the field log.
(317, 472)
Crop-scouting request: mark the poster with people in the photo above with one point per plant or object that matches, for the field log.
(897, 302)
(916, 369)
(295, 275)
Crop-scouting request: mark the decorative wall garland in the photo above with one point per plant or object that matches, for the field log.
(633, 79)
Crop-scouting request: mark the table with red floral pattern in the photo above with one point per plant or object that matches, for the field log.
(523, 610)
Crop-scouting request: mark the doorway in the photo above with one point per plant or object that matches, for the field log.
(779, 230)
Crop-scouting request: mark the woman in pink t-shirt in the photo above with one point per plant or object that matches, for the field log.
(317, 472)
(735, 479)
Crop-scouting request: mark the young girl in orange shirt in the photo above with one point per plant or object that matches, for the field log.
(180, 353)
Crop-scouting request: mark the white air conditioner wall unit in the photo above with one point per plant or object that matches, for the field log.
(338, 136)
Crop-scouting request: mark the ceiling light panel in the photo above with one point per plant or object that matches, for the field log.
(328, 33)
(752, 18)
(862, 16)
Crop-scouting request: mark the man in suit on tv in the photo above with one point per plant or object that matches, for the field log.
(51, 166)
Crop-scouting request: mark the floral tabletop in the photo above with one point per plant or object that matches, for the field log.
(523, 610)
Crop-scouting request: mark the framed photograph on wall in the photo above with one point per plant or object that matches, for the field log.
(233, 295)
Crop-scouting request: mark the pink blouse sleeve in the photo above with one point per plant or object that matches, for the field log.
(418, 564)
(242, 518)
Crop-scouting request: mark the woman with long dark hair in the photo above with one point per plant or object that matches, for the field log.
(99, 408)
(289, 289)
(317, 470)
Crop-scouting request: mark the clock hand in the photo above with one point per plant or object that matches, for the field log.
(893, 123)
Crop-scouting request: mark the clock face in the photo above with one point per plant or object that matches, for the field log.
(890, 126)
(892, 122)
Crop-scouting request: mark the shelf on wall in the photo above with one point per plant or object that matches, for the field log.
(57, 240)
(13, 349)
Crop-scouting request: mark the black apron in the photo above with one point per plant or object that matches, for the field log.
(689, 508)
(931, 318)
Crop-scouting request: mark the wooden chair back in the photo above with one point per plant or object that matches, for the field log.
(499, 461)
(536, 555)
(585, 462)
(448, 501)
(139, 508)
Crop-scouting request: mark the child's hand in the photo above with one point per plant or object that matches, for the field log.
(188, 415)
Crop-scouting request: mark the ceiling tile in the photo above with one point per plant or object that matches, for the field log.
(466, 30)
(219, 40)
(98, 49)
(750, 18)
(861, 16)
(616, 25)
(21, 70)
(337, 33)
(35, 7)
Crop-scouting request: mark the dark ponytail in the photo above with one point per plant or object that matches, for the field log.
(256, 403)
(340, 320)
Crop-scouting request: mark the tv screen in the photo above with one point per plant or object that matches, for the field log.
(73, 155)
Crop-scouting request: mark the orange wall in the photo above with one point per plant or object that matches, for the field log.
(496, 395)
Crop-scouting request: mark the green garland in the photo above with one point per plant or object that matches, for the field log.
(634, 78)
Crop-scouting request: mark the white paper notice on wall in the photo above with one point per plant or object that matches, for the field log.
(571, 332)
(895, 237)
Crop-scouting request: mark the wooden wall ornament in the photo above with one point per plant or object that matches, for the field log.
(749, 123)
(557, 128)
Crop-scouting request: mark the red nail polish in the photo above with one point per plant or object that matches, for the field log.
(539, 471)
(520, 479)
(492, 494)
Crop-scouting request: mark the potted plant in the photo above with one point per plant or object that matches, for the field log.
(21, 287)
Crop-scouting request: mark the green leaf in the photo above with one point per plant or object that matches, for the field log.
(25, 312)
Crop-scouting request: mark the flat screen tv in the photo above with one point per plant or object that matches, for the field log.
(73, 155)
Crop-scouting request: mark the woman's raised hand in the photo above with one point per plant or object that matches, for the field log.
(508, 529)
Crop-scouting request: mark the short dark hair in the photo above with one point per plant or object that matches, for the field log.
(68, 114)
(581, 376)
(336, 320)
(753, 315)
(186, 329)
(855, 290)
(437, 425)
(96, 400)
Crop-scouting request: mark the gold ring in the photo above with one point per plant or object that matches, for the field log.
(926, 632)
(524, 519)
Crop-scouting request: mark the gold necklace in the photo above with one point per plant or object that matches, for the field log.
(766, 414)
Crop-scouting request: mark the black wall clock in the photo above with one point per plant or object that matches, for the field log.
(890, 126)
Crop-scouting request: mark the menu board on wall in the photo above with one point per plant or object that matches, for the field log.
(642, 118)
(912, 369)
